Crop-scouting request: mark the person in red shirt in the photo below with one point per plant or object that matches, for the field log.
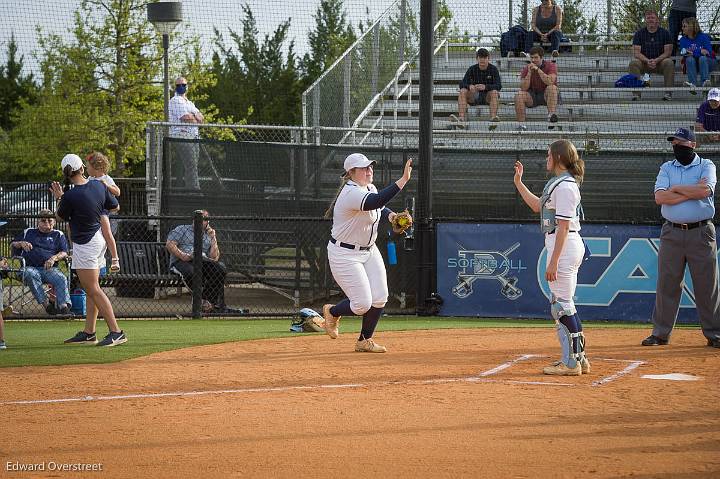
(538, 86)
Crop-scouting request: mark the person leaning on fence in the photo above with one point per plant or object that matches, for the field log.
(545, 27)
(481, 85)
(685, 188)
(42, 248)
(180, 243)
(708, 115)
(538, 86)
(182, 110)
(696, 48)
(652, 48)
(679, 11)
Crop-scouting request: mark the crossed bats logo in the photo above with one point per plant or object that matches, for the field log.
(493, 265)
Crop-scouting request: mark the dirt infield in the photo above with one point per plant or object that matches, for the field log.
(443, 403)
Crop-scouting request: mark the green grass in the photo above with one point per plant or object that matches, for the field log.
(40, 343)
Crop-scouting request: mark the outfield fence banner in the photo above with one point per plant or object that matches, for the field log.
(498, 270)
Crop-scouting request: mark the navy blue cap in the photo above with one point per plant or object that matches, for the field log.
(682, 134)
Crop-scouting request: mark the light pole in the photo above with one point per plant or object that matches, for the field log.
(165, 16)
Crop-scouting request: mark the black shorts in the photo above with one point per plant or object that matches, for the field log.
(480, 98)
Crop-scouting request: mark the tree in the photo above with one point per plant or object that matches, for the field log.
(14, 87)
(574, 21)
(629, 15)
(95, 92)
(330, 38)
(255, 77)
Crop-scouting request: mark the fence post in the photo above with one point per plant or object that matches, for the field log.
(510, 12)
(403, 27)
(197, 280)
(316, 113)
(346, 91)
(375, 59)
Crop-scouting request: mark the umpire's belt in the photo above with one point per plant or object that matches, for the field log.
(690, 226)
(348, 245)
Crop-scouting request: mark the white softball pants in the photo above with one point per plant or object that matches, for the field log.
(568, 265)
(361, 275)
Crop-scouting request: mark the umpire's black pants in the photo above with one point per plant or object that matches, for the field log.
(214, 273)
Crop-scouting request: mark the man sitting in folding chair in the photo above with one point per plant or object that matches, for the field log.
(39, 250)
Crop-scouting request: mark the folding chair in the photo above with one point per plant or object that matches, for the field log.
(19, 294)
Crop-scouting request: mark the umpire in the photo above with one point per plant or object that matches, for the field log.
(685, 188)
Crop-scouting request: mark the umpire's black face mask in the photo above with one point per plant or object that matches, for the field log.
(684, 154)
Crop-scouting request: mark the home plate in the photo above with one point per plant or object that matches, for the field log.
(671, 377)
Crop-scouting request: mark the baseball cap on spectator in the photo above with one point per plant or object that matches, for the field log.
(714, 94)
(682, 134)
(356, 160)
(73, 160)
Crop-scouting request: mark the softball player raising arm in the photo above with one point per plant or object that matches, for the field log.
(355, 261)
(560, 212)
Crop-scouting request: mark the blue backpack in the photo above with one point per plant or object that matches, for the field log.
(513, 40)
(628, 81)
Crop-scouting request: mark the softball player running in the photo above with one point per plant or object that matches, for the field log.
(560, 212)
(355, 261)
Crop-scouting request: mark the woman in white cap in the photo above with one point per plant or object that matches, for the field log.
(355, 261)
(82, 207)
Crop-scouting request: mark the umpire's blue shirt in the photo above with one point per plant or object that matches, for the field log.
(674, 173)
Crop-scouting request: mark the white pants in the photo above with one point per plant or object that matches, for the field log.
(361, 275)
(568, 265)
(90, 255)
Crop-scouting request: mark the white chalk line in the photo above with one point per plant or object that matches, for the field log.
(508, 364)
(634, 364)
(481, 378)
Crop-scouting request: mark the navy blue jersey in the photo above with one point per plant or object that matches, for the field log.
(44, 246)
(652, 44)
(82, 206)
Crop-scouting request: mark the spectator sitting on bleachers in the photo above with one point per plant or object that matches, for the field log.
(480, 86)
(180, 244)
(42, 248)
(679, 10)
(538, 86)
(652, 47)
(696, 47)
(708, 115)
(545, 27)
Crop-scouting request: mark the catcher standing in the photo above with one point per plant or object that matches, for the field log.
(355, 261)
(560, 212)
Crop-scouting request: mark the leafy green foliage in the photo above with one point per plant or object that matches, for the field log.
(14, 86)
(254, 76)
(629, 15)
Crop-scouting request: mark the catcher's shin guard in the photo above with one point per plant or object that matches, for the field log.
(572, 345)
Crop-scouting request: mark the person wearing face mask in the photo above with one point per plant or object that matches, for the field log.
(355, 261)
(685, 188)
(182, 110)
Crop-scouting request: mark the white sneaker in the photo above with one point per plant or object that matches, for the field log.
(369, 346)
(331, 322)
(706, 83)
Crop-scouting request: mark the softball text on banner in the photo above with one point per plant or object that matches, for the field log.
(498, 270)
